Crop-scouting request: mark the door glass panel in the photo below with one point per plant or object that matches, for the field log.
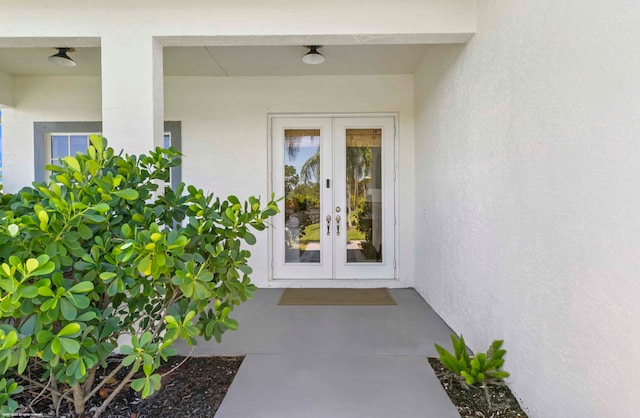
(303, 227)
(364, 195)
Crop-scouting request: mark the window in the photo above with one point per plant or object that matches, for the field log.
(56, 140)
(60, 145)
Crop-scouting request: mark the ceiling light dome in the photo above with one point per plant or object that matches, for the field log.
(313, 57)
(61, 58)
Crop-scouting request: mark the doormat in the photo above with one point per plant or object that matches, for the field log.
(336, 297)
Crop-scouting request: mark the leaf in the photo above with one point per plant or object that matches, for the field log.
(84, 231)
(13, 230)
(72, 329)
(82, 287)
(94, 217)
(138, 384)
(45, 291)
(101, 207)
(29, 326)
(87, 316)
(97, 142)
(72, 162)
(29, 292)
(31, 264)
(43, 217)
(107, 275)
(129, 359)
(68, 311)
(43, 269)
(250, 238)
(56, 348)
(232, 324)
(69, 345)
(126, 232)
(144, 265)
(127, 194)
(11, 339)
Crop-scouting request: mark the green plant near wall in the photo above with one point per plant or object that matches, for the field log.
(482, 369)
(99, 252)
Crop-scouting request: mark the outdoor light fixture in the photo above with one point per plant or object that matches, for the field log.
(313, 57)
(61, 58)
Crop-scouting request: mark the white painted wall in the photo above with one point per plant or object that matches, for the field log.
(528, 202)
(6, 89)
(224, 131)
(42, 99)
(366, 21)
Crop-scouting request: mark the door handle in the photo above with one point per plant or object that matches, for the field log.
(338, 225)
(328, 224)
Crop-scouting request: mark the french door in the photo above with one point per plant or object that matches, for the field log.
(337, 179)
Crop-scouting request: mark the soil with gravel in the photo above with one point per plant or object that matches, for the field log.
(193, 390)
(471, 401)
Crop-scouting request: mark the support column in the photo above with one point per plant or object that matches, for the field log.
(132, 92)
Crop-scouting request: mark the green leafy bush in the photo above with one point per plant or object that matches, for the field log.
(480, 368)
(363, 219)
(99, 252)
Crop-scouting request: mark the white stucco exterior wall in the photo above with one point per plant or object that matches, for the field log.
(366, 21)
(528, 203)
(42, 99)
(224, 132)
(6, 89)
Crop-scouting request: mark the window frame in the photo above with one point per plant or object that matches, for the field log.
(42, 132)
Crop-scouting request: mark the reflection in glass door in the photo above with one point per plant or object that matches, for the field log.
(301, 162)
(302, 195)
(364, 199)
(363, 167)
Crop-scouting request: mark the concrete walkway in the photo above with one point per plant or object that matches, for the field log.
(334, 361)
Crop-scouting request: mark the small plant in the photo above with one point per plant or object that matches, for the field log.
(7, 389)
(483, 368)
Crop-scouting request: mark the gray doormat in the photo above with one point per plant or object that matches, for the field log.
(335, 297)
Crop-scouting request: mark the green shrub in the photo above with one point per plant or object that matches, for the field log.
(100, 252)
(480, 368)
(363, 220)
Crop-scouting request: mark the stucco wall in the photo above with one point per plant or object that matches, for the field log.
(528, 203)
(42, 99)
(224, 131)
(366, 21)
(6, 89)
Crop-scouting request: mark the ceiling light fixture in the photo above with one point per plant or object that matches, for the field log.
(313, 57)
(61, 58)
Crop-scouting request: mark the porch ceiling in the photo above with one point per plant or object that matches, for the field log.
(233, 60)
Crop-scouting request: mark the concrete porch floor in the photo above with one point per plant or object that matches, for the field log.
(333, 361)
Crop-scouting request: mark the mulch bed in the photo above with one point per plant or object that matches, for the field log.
(194, 390)
(471, 401)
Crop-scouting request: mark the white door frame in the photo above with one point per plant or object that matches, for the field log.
(393, 230)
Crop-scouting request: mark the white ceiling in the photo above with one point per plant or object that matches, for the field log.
(232, 60)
